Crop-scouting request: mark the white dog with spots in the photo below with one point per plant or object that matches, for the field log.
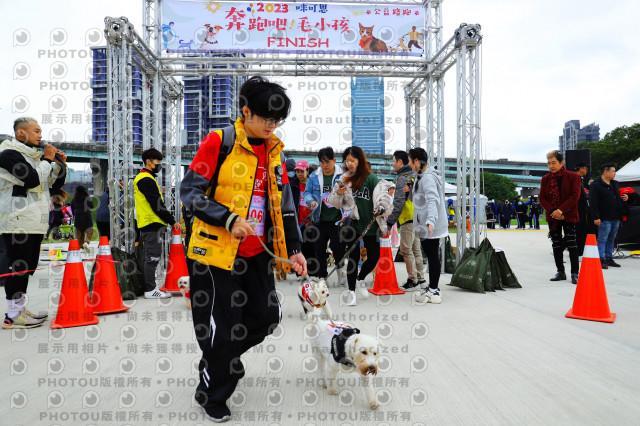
(313, 295)
(345, 347)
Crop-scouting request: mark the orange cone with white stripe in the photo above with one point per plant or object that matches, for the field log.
(177, 265)
(74, 306)
(106, 297)
(590, 302)
(386, 281)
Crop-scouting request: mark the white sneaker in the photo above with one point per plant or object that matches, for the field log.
(86, 247)
(362, 287)
(156, 294)
(429, 295)
(351, 299)
(20, 321)
(342, 277)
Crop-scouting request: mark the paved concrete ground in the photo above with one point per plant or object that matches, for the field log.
(509, 357)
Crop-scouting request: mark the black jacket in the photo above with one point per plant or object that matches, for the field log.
(583, 203)
(605, 202)
(404, 176)
(507, 210)
(82, 207)
(294, 183)
(57, 217)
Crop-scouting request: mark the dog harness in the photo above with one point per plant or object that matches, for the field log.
(338, 342)
(306, 288)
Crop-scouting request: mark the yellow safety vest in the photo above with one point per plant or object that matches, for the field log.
(407, 212)
(144, 214)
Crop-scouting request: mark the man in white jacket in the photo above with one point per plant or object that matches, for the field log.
(25, 181)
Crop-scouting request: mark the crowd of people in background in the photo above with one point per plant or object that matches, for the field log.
(503, 212)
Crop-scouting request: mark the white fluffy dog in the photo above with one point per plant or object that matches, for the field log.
(347, 346)
(313, 295)
(184, 285)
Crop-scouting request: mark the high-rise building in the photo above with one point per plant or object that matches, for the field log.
(572, 134)
(99, 99)
(210, 103)
(367, 114)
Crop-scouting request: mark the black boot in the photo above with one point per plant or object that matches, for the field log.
(559, 276)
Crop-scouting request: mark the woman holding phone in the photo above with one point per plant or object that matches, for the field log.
(354, 192)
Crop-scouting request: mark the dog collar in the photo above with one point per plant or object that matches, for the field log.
(338, 342)
(307, 297)
(211, 42)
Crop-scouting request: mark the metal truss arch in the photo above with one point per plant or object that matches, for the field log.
(161, 99)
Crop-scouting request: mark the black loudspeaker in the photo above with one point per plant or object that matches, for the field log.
(575, 156)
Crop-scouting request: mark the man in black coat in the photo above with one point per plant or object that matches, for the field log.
(534, 213)
(607, 207)
(499, 208)
(507, 213)
(521, 214)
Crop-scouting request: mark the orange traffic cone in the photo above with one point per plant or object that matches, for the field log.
(106, 297)
(590, 301)
(385, 281)
(74, 306)
(177, 265)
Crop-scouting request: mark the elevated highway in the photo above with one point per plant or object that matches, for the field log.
(525, 174)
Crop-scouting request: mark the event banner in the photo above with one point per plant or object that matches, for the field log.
(288, 27)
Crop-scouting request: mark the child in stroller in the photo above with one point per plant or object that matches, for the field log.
(66, 229)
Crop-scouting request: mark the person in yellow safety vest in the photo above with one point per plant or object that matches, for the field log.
(152, 218)
(241, 199)
(403, 215)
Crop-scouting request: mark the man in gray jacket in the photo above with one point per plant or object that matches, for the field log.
(25, 181)
(403, 215)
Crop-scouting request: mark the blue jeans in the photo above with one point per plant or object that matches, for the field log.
(607, 232)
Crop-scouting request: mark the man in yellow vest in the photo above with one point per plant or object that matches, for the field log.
(241, 200)
(152, 218)
(403, 215)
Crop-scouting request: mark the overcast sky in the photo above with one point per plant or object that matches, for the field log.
(543, 63)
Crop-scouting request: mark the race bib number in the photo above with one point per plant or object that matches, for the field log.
(257, 212)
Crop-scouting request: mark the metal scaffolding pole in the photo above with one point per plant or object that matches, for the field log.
(125, 49)
(173, 155)
(468, 136)
(119, 133)
(152, 25)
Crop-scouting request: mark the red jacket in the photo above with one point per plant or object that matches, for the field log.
(569, 196)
